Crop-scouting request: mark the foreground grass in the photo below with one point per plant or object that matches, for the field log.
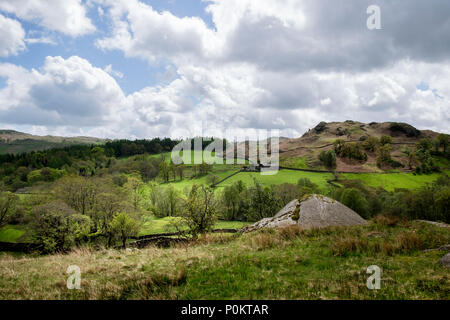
(270, 264)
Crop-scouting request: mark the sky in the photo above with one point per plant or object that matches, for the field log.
(181, 68)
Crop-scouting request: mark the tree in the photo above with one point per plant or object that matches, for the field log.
(200, 210)
(165, 201)
(385, 139)
(443, 141)
(328, 158)
(77, 192)
(204, 168)
(106, 208)
(306, 186)
(125, 226)
(423, 153)
(263, 202)
(57, 226)
(384, 155)
(164, 171)
(234, 201)
(411, 157)
(371, 144)
(180, 170)
(172, 197)
(8, 203)
(286, 192)
(212, 179)
(355, 200)
(134, 186)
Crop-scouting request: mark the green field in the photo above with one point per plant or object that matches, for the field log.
(11, 233)
(392, 181)
(294, 162)
(153, 225)
(282, 176)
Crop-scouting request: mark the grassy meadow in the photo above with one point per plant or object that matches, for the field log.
(270, 264)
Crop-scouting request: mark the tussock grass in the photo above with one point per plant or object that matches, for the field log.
(288, 263)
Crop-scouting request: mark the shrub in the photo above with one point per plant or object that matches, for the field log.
(355, 200)
(405, 128)
(371, 144)
(385, 139)
(350, 150)
(328, 158)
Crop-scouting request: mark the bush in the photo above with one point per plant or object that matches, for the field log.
(350, 150)
(371, 144)
(355, 200)
(57, 227)
(328, 158)
(385, 139)
(405, 128)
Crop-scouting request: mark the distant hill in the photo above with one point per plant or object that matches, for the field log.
(17, 142)
(303, 152)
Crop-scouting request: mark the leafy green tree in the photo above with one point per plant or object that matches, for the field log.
(355, 200)
(306, 186)
(108, 205)
(166, 201)
(164, 171)
(384, 155)
(328, 158)
(200, 210)
(8, 205)
(135, 188)
(180, 171)
(234, 201)
(57, 227)
(125, 227)
(371, 144)
(263, 202)
(423, 153)
(286, 192)
(411, 157)
(443, 141)
(212, 179)
(385, 139)
(77, 192)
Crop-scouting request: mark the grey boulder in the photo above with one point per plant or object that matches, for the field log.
(445, 260)
(315, 211)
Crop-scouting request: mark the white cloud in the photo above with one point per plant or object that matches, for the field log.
(266, 64)
(44, 40)
(65, 92)
(114, 73)
(11, 37)
(68, 16)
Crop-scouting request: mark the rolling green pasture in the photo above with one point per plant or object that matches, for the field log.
(270, 264)
(282, 176)
(154, 225)
(11, 233)
(392, 181)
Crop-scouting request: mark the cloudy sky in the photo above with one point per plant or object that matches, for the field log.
(144, 68)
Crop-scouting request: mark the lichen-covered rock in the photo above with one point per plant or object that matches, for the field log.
(445, 260)
(315, 211)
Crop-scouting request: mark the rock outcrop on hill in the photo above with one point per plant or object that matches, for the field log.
(311, 212)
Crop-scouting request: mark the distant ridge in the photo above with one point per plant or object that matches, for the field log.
(14, 142)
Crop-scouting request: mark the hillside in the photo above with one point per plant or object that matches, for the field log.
(18, 142)
(303, 152)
